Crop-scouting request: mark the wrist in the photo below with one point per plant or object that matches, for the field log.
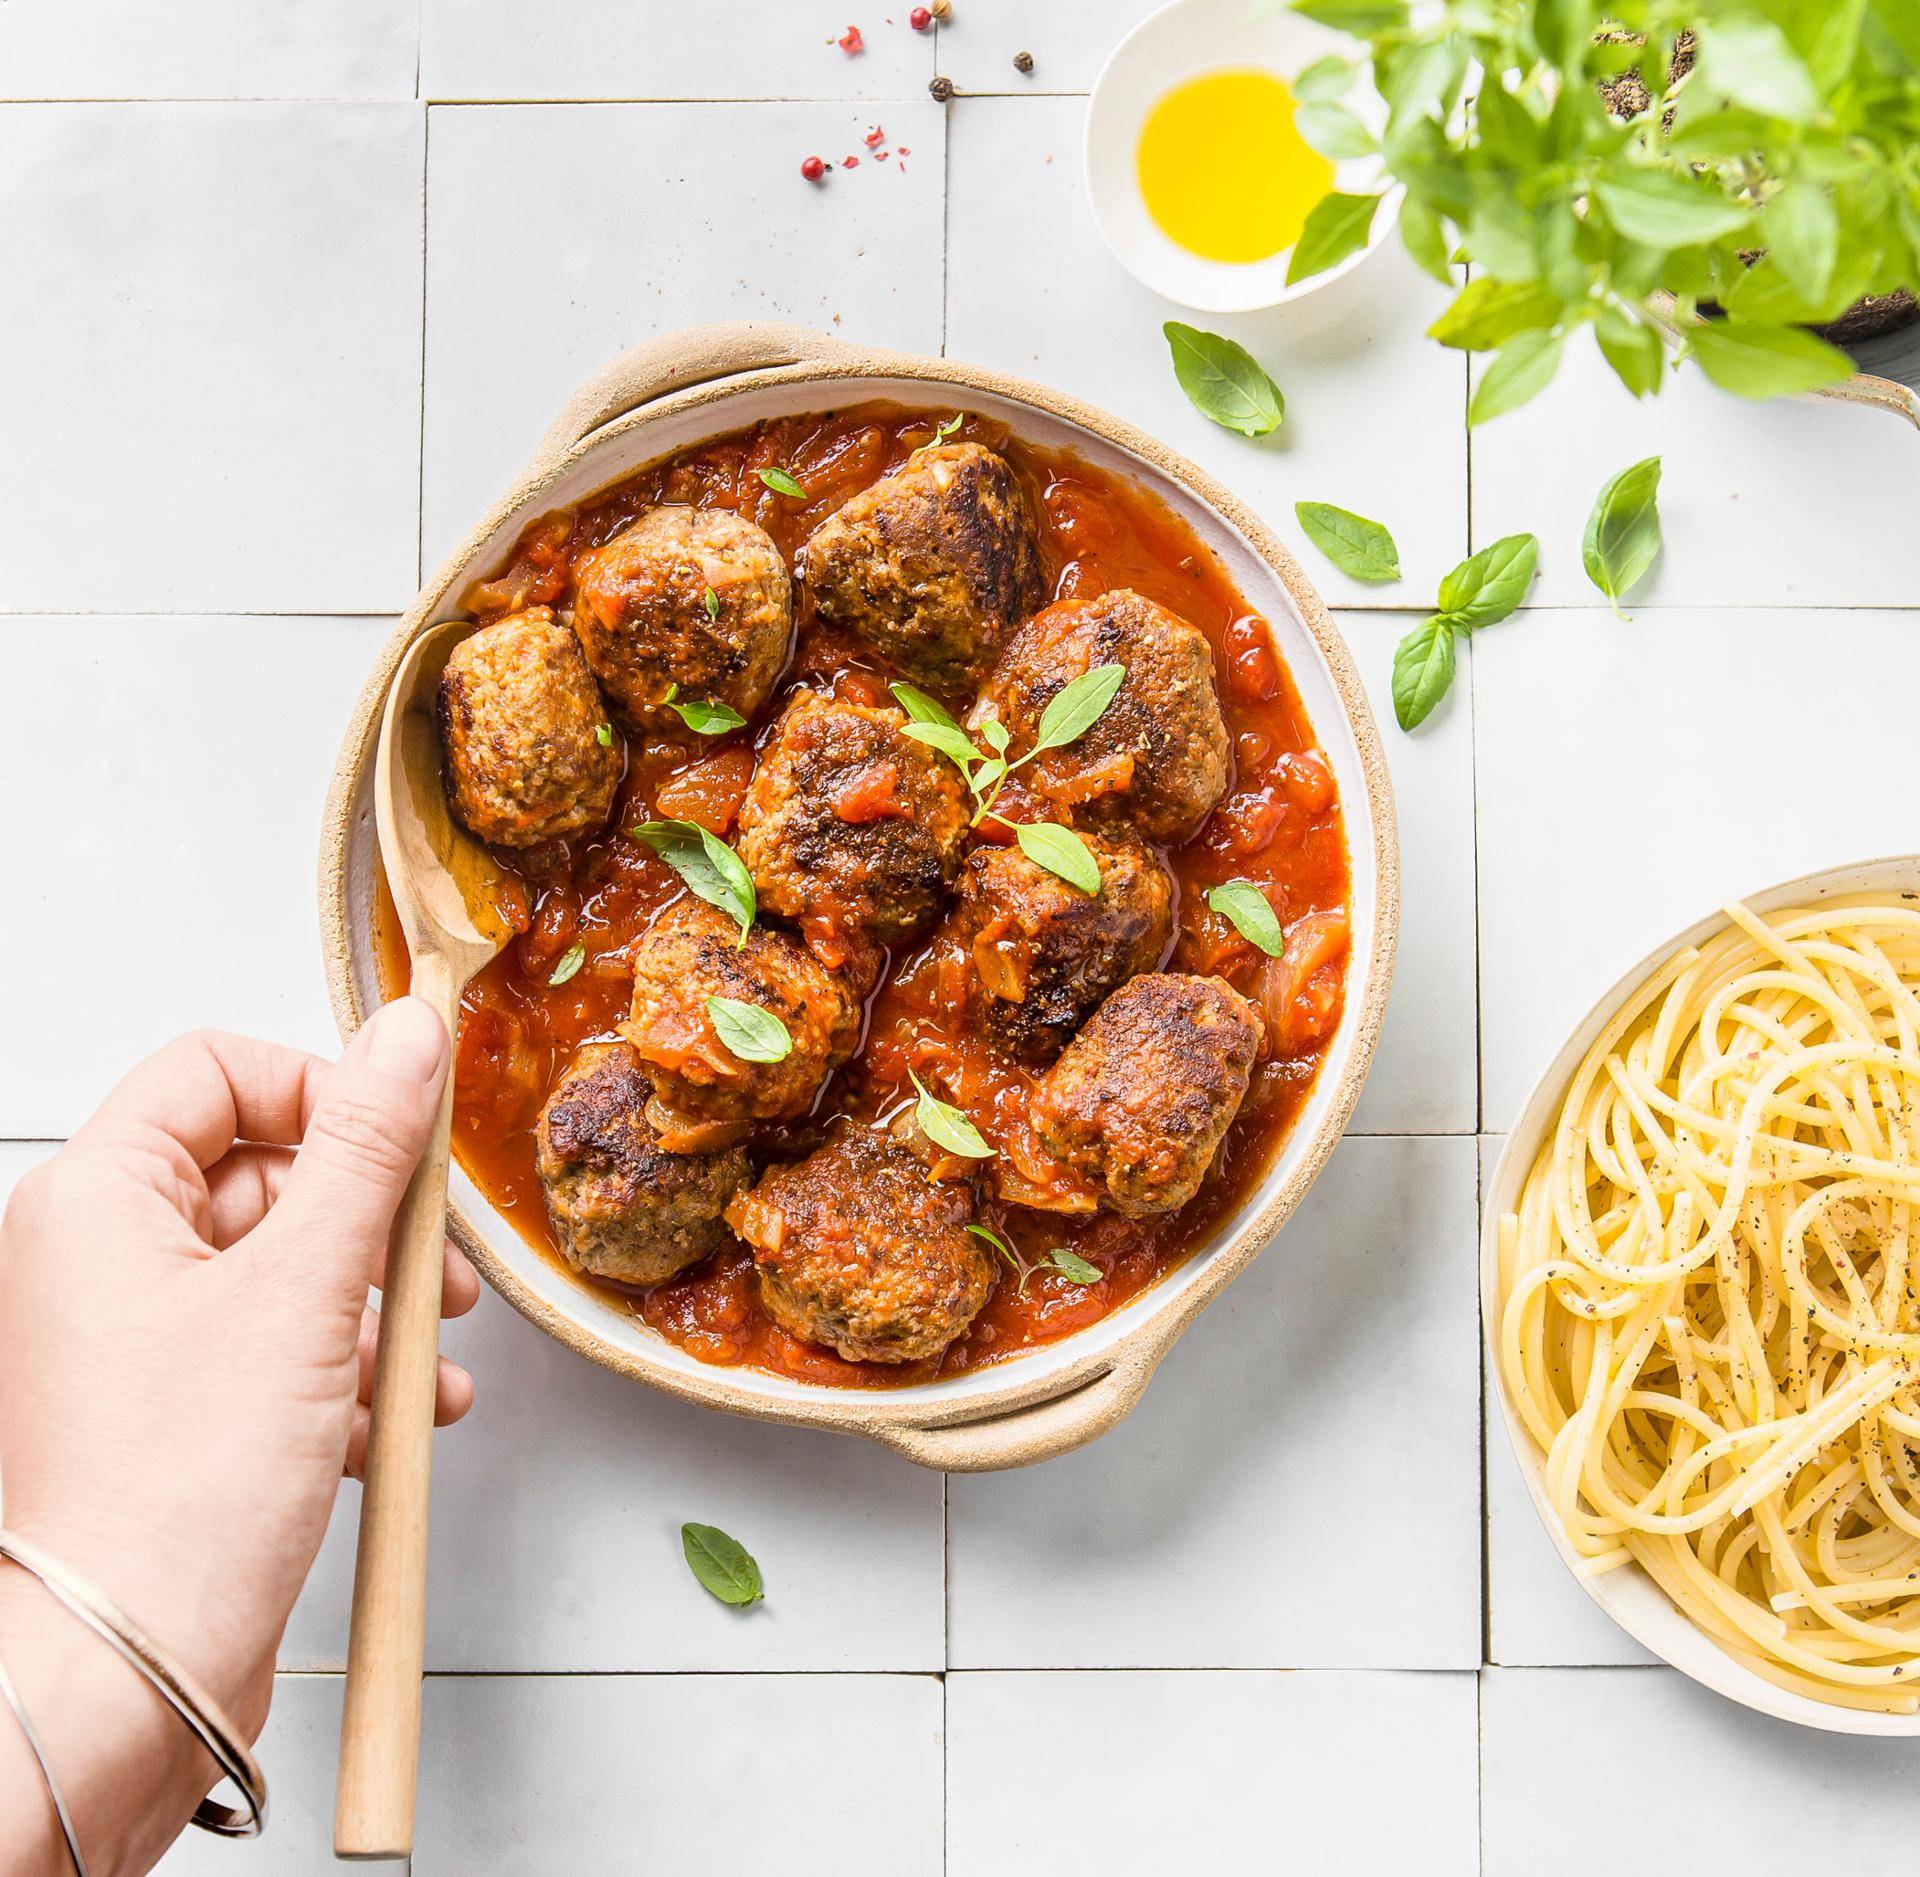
(129, 1772)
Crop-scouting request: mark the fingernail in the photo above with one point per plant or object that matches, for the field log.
(406, 1039)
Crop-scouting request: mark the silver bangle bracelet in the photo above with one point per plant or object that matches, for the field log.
(172, 1683)
(12, 1697)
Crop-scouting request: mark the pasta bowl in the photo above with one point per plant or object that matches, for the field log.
(1628, 1594)
(694, 385)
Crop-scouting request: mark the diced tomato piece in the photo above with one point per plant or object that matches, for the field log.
(710, 793)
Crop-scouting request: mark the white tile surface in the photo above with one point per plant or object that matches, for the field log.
(211, 366)
(1628, 781)
(600, 1776)
(1317, 1429)
(613, 49)
(213, 49)
(724, 228)
(1069, 40)
(1340, 1775)
(1802, 503)
(557, 1508)
(1423, 1081)
(1700, 1783)
(1374, 412)
(300, 1753)
(1536, 1612)
(166, 777)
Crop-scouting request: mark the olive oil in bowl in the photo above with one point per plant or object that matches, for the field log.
(1222, 169)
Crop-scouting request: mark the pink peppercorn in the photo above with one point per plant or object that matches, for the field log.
(919, 19)
(813, 169)
(850, 41)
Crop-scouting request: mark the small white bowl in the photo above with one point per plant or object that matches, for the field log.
(1628, 1594)
(1179, 42)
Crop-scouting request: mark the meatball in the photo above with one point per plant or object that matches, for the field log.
(851, 827)
(1043, 953)
(1144, 1095)
(1157, 755)
(856, 1248)
(692, 952)
(521, 723)
(622, 1207)
(933, 566)
(647, 624)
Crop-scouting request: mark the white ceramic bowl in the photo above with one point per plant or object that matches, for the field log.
(697, 384)
(1628, 1594)
(1179, 42)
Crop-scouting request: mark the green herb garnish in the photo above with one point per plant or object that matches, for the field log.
(750, 1032)
(723, 1566)
(1224, 381)
(711, 601)
(711, 869)
(1360, 548)
(1336, 226)
(782, 483)
(1074, 1268)
(1248, 910)
(603, 734)
(1623, 532)
(570, 962)
(946, 1126)
(1060, 851)
(1484, 589)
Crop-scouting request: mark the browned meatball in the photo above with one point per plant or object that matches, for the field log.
(850, 827)
(1157, 756)
(622, 1207)
(858, 1249)
(521, 723)
(1042, 953)
(933, 566)
(692, 952)
(1144, 1095)
(642, 611)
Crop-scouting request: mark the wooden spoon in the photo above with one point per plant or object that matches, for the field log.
(446, 888)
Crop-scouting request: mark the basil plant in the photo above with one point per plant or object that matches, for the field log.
(1736, 171)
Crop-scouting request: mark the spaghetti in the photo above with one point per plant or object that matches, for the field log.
(1710, 1296)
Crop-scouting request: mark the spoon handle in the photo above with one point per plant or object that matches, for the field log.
(380, 1723)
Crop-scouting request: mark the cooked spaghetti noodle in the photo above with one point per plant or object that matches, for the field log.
(1710, 1296)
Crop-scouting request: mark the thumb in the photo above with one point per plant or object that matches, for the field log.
(374, 1118)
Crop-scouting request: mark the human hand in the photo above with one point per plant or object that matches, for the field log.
(186, 1352)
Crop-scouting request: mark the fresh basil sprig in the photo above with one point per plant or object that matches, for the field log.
(722, 1566)
(1336, 226)
(1073, 711)
(708, 718)
(1484, 589)
(1250, 913)
(1361, 549)
(782, 482)
(711, 869)
(1074, 1268)
(1224, 381)
(946, 1126)
(1623, 532)
(751, 1033)
(1061, 852)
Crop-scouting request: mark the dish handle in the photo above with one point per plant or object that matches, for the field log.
(694, 355)
(1027, 1435)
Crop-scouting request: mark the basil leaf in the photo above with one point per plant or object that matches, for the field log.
(1750, 62)
(1360, 548)
(711, 718)
(570, 962)
(920, 707)
(1358, 17)
(1248, 910)
(1072, 1266)
(941, 432)
(1636, 352)
(748, 1031)
(992, 770)
(1487, 586)
(1224, 381)
(1333, 130)
(1487, 313)
(603, 734)
(1766, 361)
(711, 602)
(1521, 370)
(946, 1126)
(1655, 207)
(1623, 532)
(949, 739)
(1061, 852)
(1424, 236)
(1325, 78)
(781, 483)
(995, 734)
(1422, 671)
(1801, 228)
(711, 869)
(1337, 225)
(1076, 707)
(1000, 1245)
(723, 1566)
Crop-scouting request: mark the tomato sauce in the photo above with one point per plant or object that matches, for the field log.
(1279, 825)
